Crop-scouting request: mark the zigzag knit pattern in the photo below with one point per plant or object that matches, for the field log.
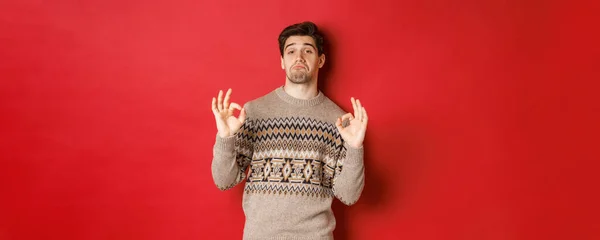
(291, 155)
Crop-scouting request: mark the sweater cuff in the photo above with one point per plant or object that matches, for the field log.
(226, 144)
(354, 155)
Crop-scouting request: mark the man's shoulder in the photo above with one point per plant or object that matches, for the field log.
(259, 101)
(332, 107)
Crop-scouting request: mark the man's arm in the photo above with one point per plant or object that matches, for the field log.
(230, 162)
(232, 151)
(349, 178)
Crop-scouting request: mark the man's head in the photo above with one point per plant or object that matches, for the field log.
(301, 48)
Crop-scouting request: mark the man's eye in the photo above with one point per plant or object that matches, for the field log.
(308, 51)
(290, 52)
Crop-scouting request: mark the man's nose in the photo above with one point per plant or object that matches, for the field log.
(300, 57)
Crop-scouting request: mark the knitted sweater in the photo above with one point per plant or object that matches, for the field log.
(297, 163)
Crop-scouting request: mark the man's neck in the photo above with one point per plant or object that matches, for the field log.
(301, 91)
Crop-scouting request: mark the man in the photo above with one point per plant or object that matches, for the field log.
(300, 147)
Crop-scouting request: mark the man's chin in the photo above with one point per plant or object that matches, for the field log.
(299, 81)
(299, 78)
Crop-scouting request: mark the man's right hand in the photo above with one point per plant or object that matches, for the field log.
(227, 124)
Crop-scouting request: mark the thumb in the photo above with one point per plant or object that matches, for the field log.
(338, 124)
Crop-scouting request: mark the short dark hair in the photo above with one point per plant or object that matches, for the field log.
(302, 29)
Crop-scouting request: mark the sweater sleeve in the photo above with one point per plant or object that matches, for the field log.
(231, 157)
(349, 177)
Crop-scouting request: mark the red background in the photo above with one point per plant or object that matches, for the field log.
(483, 119)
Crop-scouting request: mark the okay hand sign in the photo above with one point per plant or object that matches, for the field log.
(227, 123)
(354, 133)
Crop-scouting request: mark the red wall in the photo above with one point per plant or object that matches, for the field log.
(483, 122)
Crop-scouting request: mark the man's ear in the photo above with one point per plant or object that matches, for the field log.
(321, 60)
(282, 64)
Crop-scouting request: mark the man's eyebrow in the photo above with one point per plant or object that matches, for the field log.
(309, 44)
(288, 45)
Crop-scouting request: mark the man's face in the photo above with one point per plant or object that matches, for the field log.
(301, 60)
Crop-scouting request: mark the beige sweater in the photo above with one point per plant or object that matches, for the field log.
(297, 163)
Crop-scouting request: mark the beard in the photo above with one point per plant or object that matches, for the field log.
(298, 77)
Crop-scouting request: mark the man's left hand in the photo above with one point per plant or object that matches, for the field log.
(354, 132)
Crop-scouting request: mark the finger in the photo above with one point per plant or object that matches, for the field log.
(359, 114)
(338, 124)
(233, 106)
(220, 101)
(365, 117)
(226, 101)
(354, 105)
(347, 116)
(242, 116)
(214, 106)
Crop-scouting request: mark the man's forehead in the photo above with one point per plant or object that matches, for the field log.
(300, 40)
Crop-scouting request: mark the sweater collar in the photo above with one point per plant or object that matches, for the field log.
(300, 102)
